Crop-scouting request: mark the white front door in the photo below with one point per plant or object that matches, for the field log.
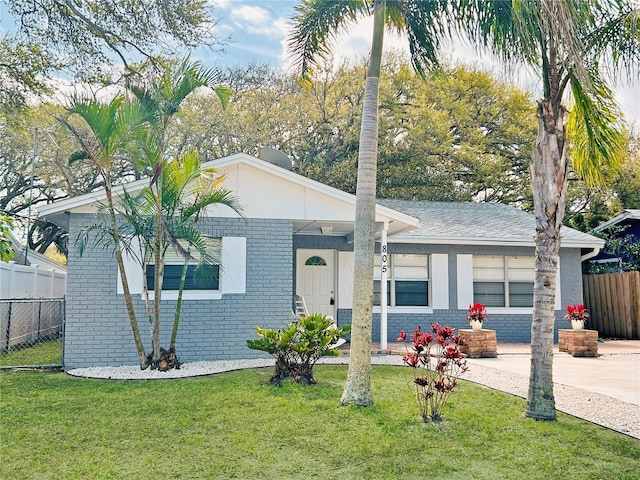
(315, 280)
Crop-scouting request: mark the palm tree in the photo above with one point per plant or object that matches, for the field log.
(161, 100)
(110, 131)
(316, 23)
(188, 190)
(567, 42)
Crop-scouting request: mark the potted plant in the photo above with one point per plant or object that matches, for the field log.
(577, 316)
(476, 314)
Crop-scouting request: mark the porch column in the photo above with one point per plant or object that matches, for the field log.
(383, 286)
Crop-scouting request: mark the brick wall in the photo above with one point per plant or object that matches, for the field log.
(98, 332)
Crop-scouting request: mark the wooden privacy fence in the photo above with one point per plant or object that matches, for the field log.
(613, 302)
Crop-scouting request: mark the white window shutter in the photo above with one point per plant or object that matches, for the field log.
(233, 275)
(133, 271)
(346, 261)
(558, 304)
(440, 280)
(465, 280)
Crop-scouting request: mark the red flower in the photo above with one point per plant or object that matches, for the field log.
(452, 352)
(402, 336)
(576, 312)
(446, 331)
(411, 359)
(477, 312)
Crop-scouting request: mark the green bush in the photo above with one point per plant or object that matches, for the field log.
(298, 347)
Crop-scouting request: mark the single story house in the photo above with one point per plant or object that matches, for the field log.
(296, 237)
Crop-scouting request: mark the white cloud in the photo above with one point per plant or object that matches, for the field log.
(257, 21)
(219, 4)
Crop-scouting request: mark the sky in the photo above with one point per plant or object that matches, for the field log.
(256, 32)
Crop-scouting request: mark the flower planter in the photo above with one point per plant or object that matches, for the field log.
(475, 324)
(480, 343)
(577, 324)
(578, 343)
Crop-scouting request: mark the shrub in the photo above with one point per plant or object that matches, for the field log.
(437, 363)
(299, 346)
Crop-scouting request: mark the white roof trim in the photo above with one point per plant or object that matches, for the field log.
(631, 214)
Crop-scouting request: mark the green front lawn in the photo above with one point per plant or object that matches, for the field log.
(235, 425)
(45, 353)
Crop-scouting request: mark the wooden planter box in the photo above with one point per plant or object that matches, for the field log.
(579, 343)
(480, 343)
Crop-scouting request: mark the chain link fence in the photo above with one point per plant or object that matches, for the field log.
(31, 332)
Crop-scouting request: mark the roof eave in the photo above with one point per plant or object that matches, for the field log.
(632, 214)
(489, 242)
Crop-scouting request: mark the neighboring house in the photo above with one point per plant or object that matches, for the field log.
(296, 237)
(625, 228)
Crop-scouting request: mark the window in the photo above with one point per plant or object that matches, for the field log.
(503, 281)
(407, 281)
(316, 261)
(204, 278)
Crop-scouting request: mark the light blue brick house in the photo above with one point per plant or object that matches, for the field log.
(296, 237)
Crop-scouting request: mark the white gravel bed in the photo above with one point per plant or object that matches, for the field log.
(194, 369)
(596, 408)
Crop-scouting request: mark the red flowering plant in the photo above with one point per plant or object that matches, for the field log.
(437, 363)
(576, 312)
(477, 312)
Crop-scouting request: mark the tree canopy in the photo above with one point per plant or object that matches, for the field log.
(462, 134)
(86, 39)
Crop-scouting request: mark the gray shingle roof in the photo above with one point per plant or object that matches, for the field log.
(477, 223)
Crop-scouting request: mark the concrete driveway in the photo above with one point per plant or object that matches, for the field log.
(615, 373)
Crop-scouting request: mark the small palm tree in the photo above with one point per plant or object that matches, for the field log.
(316, 23)
(567, 42)
(110, 129)
(188, 191)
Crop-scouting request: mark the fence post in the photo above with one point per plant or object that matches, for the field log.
(8, 331)
(39, 318)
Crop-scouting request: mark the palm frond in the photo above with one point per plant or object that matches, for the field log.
(316, 24)
(425, 24)
(595, 130)
(509, 29)
(617, 37)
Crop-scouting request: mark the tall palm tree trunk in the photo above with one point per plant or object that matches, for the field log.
(549, 169)
(176, 318)
(158, 275)
(142, 357)
(357, 389)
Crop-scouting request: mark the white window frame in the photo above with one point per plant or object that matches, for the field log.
(393, 277)
(233, 271)
(507, 276)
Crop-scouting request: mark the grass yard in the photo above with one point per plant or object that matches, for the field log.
(235, 425)
(46, 353)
